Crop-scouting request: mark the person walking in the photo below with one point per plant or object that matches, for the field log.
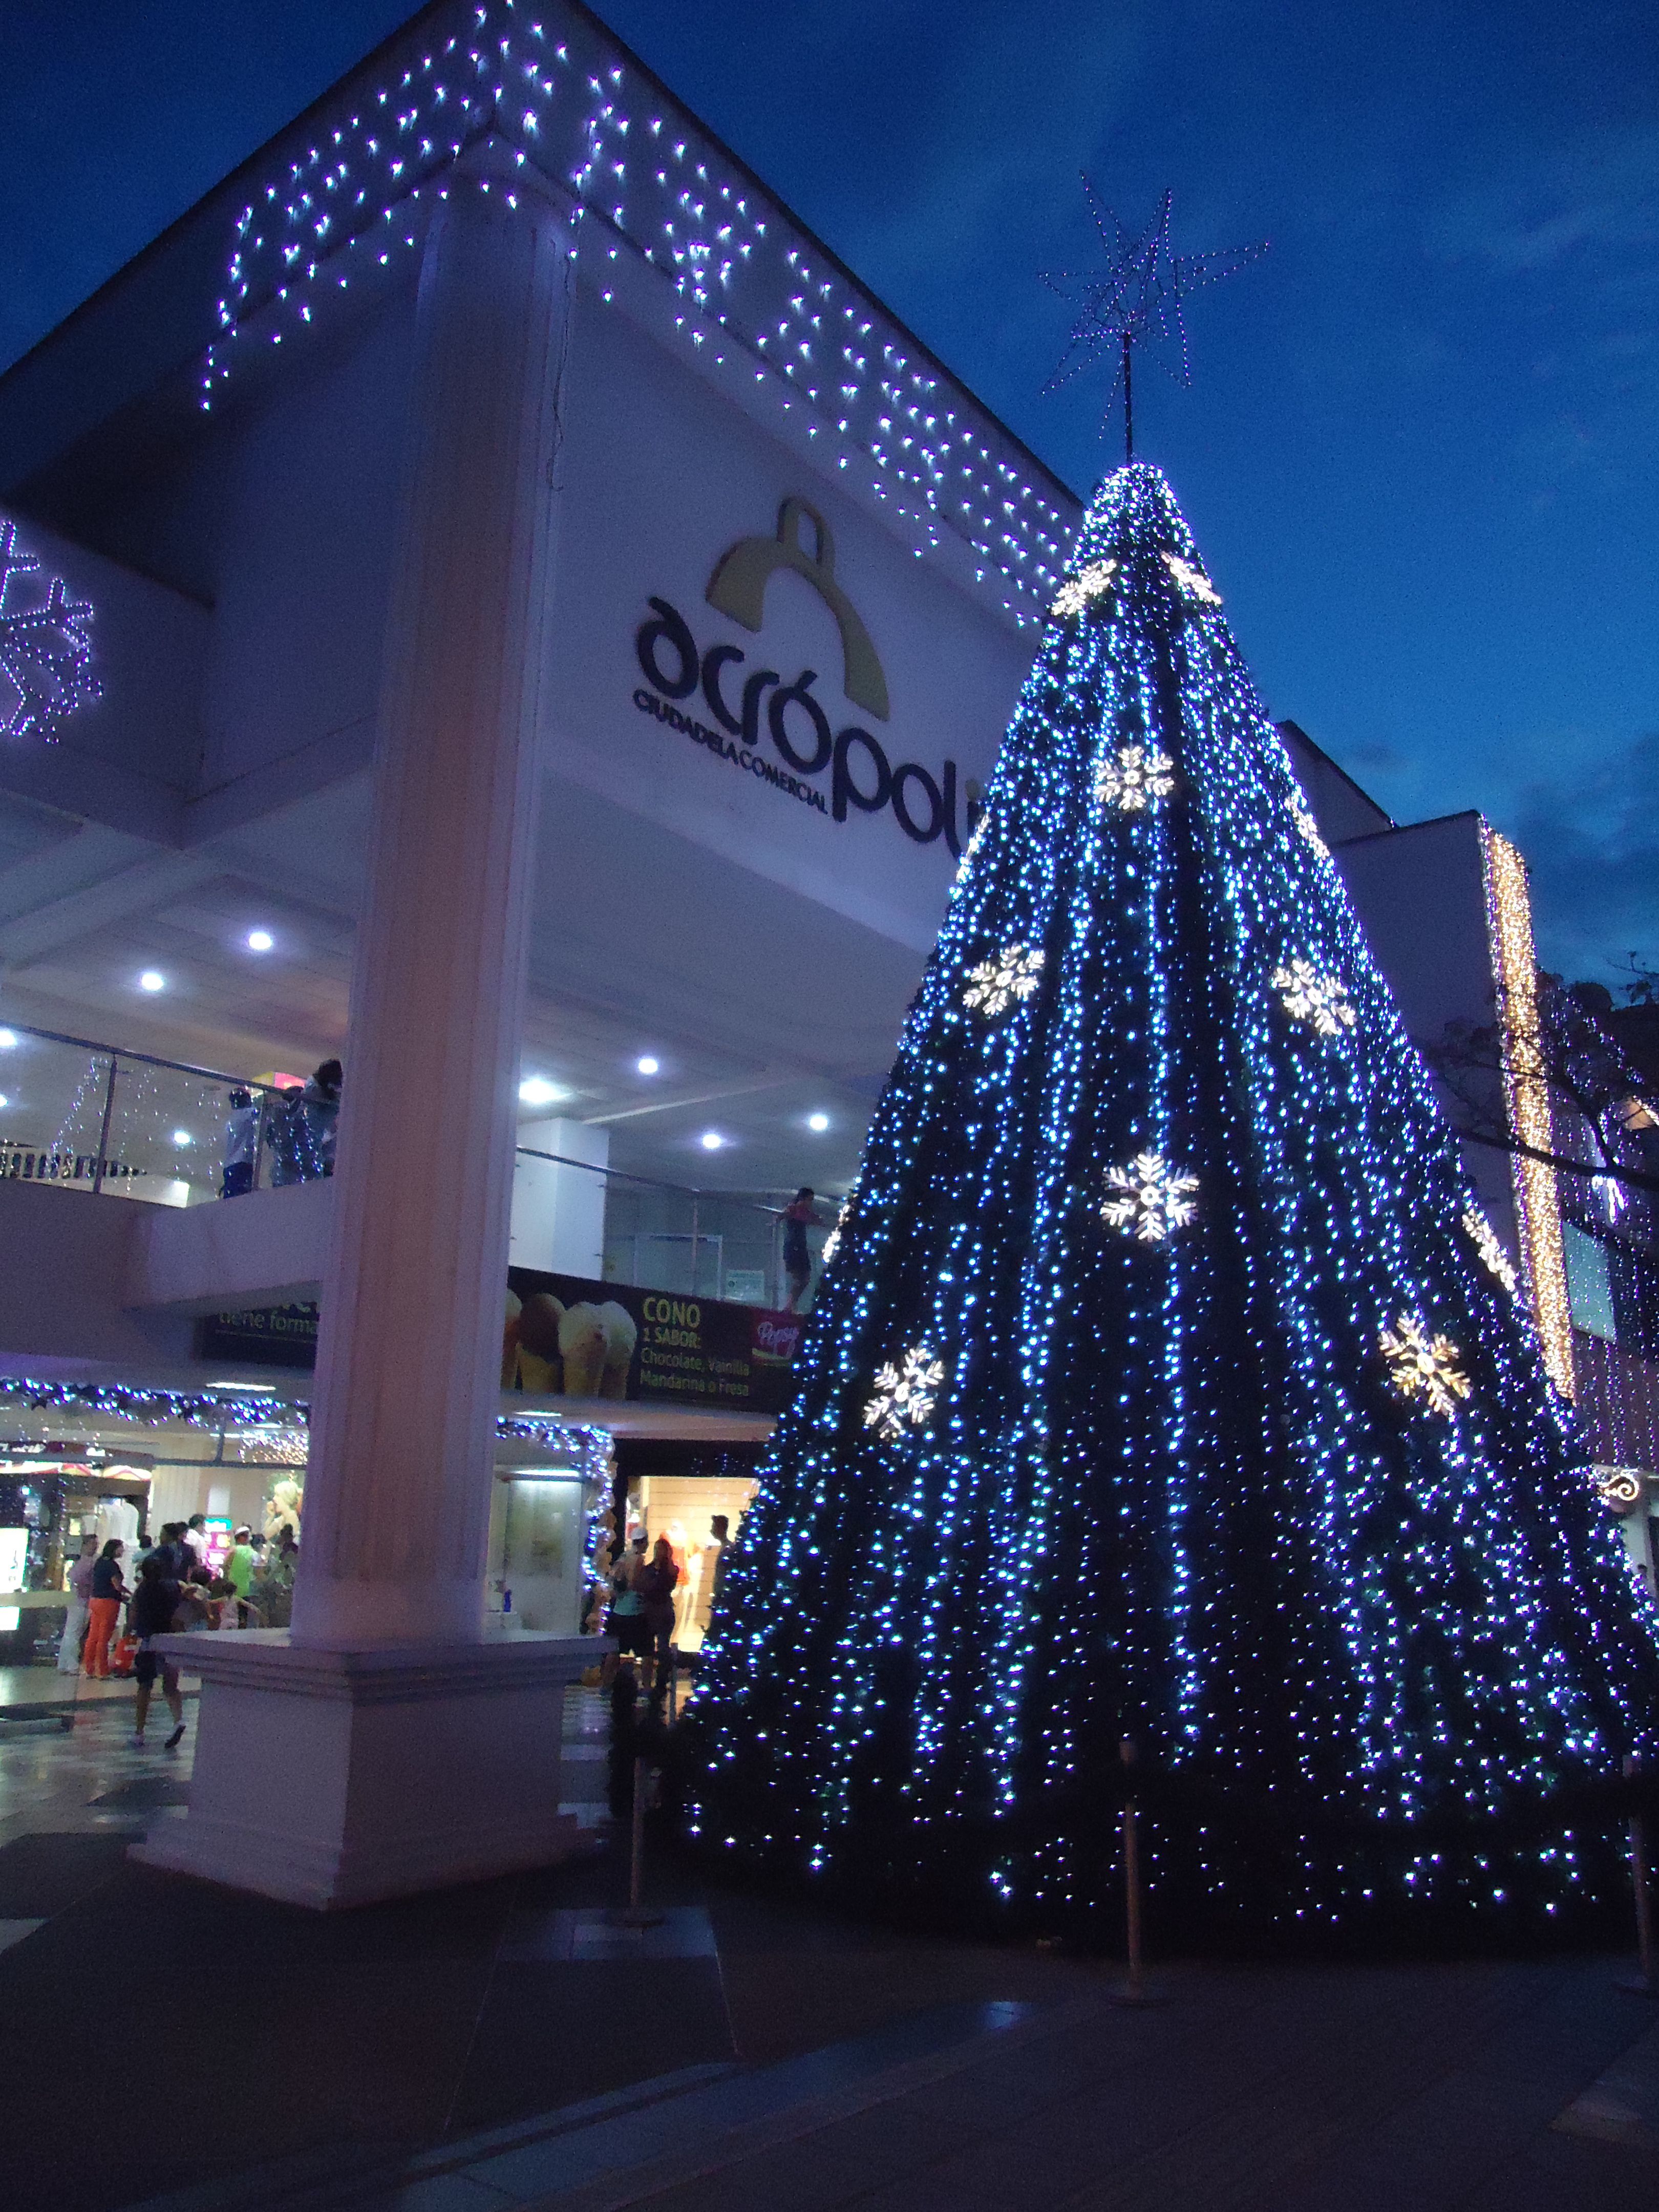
(109, 1589)
(654, 1584)
(154, 1612)
(241, 1143)
(79, 1601)
(798, 1217)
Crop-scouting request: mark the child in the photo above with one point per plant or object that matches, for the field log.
(226, 1604)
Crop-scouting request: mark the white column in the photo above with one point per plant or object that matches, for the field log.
(409, 1355)
(558, 1210)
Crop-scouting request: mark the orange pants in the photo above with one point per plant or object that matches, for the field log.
(102, 1615)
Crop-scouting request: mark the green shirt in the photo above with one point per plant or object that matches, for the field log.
(239, 1568)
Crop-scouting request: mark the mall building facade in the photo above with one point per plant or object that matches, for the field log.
(501, 603)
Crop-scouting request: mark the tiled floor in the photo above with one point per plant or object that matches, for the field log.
(751, 2053)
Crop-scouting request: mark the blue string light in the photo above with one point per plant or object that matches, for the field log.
(1158, 1386)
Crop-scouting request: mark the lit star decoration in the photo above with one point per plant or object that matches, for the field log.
(1167, 1491)
(1080, 593)
(1192, 580)
(1423, 1366)
(1133, 779)
(45, 655)
(1308, 996)
(1303, 814)
(970, 851)
(1494, 1258)
(1136, 299)
(1149, 1198)
(904, 1395)
(999, 983)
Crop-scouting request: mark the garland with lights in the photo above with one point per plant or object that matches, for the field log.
(1163, 1385)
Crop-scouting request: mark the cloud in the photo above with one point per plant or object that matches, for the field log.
(1595, 200)
(1593, 845)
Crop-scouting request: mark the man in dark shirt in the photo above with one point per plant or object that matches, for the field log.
(150, 1614)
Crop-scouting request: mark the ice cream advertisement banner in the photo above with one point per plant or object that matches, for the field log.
(566, 1337)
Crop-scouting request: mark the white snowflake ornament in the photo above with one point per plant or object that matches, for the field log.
(1149, 1198)
(904, 1395)
(1484, 1237)
(1134, 779)
(996, 984)
(1423, 1366)
(1303, 814)
(1079, 592)
(45, 655)
(1308, 996)
(1192, 582)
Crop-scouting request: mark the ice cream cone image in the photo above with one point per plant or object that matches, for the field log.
(582, 1347)
(621, 1335)
(540, 1318)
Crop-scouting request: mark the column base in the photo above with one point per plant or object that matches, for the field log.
(334, 1776)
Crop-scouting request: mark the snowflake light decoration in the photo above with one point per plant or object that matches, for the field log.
(1079, 592)
(1192, 581)
(1303, 814)
(1133, 779)
(832, 1242)
(1308, 996)
(1484, 1239)
(1423, 1366)
(904, 1395)
(970, 851)
(45, 655)
(1149, 1198)
(996, 983)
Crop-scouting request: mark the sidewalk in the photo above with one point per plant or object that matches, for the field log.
(504, 2045)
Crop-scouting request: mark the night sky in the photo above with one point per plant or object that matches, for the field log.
(1421, 447)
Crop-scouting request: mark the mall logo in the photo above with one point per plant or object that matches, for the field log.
(829, 771)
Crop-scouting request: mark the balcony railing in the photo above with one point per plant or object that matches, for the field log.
(94, 1117)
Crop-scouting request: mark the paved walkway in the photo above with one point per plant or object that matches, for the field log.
(507, 2045)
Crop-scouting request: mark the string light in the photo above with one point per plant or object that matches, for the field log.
(45, 655)
(757, 297)
(1526, 1084)
(1273, 1479)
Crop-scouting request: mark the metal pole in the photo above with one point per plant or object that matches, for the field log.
(1643, 1981)
(103, 1133)
(1128, 403)
(637, 1915)
(1134, 1991)
(694, 1245)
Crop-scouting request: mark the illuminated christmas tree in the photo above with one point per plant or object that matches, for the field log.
(1167, 1382)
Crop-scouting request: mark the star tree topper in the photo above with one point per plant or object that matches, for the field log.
(1136, 300)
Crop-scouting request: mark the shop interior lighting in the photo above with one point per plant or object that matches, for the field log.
(182, 1137)
(260, 940)
(152, 980)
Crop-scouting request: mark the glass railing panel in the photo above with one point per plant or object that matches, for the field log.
(170, 1130)
(52, 1097)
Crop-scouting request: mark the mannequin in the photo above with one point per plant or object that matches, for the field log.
(118, 1516)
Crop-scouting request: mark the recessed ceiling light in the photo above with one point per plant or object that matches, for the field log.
(537, 1091)
(7, 1040)
(259, 941)
(4, 1101)
(818, 1123)
(649, 1066)
(183, 1136)
(152, 980)
(712, 1140)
